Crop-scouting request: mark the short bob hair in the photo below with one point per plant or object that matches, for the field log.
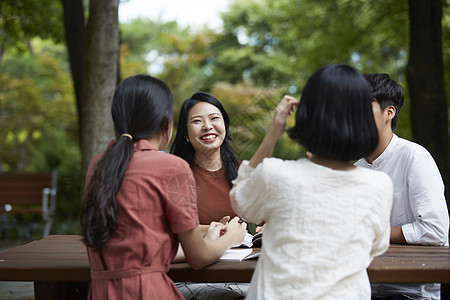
(334, 119)
(386, 92)
(182, 148)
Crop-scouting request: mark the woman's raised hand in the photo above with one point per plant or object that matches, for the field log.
(276, 129)
(284, 108)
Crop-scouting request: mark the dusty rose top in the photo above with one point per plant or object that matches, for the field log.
(157, 199)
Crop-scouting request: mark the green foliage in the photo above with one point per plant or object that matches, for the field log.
(38, 126)
(63, 153)
(21, 20)
(187, 64)
(275, 43)
(175, 55)
(293, 38)
(250, 109)
(143, 35)
(36, 100)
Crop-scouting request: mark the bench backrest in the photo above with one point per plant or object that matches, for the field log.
(22, 193)
(23, 188)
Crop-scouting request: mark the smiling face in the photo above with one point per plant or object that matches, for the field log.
(205, 128)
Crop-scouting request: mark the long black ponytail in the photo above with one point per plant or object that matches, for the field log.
(140, 105)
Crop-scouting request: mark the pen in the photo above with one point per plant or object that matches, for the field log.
(241, 220)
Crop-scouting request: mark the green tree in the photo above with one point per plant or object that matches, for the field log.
(95, 81)
(22, 20)
(270, 42)
(184, 59)
(35, 102)
(250, 109)
(279, 42)
(94, 69)
(38, 126)
(178, 56)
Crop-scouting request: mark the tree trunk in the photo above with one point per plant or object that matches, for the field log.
(425, 74)
(99, 77)
(75, 31)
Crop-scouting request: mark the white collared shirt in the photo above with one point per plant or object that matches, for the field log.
(419, 205)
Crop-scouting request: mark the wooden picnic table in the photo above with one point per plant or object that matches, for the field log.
(58, 264)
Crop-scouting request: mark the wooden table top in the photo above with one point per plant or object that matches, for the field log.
(63, 258)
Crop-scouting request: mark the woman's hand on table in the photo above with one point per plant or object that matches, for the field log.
(214, 231)
(236, 230)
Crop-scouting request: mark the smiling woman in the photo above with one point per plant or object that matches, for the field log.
(203, 140)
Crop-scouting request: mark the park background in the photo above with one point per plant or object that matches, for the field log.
(61, 60)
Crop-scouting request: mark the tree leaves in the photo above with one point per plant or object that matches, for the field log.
(24, 19)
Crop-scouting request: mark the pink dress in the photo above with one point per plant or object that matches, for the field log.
(156, 200)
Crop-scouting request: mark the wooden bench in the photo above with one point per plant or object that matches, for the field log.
(35, 193)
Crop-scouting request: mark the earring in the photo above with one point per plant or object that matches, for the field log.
(187, 140)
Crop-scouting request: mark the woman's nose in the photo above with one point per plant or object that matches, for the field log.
(207, 126)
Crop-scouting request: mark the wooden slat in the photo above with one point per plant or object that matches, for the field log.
(24, 189)
(31, 179)
(21, 199)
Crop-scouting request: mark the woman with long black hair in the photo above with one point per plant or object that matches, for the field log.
(203, 140)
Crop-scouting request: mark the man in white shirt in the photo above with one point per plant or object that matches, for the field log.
(419, 212)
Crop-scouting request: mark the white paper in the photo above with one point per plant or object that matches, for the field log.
(248, 240)
(236, 254)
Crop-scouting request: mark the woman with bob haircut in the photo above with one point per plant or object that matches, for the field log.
(325, 218)
(140, 202)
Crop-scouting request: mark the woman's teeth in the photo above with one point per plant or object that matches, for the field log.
(208, 137)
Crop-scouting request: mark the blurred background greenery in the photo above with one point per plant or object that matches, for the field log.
(266, 49)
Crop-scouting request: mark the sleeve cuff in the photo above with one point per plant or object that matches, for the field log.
(244, 171)
(408, 233)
